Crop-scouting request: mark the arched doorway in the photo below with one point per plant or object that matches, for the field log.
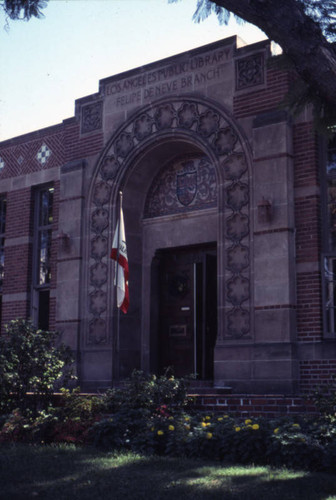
(160, 134)
(183, 327)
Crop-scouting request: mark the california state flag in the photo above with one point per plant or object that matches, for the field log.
(121, 270)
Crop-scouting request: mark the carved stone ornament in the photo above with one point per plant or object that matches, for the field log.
(97, 302)
(237, 227)
(101, 193)
(124, 145)
(143, 127)
(234, 166)
(92, 117)
(164, 116)
(184, 185)
(250, 71)
(109, 168)
(188, 183)
(208, 123)
(238, 321)
(187, 115)
(98, 247)
(238, 290)
(237, 196)
(97, 331)
(99, 220)
(238, 258)
(98, 274)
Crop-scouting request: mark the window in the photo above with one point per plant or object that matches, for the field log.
(329, 241)
(2, 247)
(42, 256)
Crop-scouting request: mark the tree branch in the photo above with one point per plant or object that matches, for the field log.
(300, 37)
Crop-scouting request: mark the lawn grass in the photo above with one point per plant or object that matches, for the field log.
(66, 472)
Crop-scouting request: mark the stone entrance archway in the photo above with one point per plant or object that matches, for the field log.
(130, 161)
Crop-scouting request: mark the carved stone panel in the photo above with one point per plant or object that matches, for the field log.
(250, 71)
(185, 185)
(92, 117)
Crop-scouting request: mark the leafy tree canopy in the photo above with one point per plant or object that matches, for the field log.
(23, 9)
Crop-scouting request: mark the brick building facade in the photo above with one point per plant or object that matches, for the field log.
(229, 213)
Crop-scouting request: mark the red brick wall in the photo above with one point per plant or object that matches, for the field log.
(76, 146)
(242, 405)
(263, 100)
(316, 372)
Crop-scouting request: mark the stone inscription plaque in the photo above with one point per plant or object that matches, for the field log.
(187, 75)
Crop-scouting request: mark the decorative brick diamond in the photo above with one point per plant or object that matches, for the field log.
(2, 163)
(20, 160)
(43, 154)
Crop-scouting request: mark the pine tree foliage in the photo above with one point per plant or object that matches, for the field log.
(23, 9)
(322, 12)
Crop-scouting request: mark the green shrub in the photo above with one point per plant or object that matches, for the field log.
(324, 397)
(30, 361)
(162, 394)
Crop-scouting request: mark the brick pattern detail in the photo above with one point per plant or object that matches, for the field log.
(254, 405)
(315, 373)
(20, 156)
(76, 146)
(252, 103)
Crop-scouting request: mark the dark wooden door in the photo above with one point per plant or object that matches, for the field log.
(188, 310)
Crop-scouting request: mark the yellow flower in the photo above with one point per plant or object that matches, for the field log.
(226, 416)
(187, 419)
(209, 435)
(276, 430)
(248, 421)
(220, 419)
(152, 428)
(296, 426)
(171, 418)
(237, 429)
(160, 433)
(207, 418)
(255, 427)
(205, 424)
(171, 428)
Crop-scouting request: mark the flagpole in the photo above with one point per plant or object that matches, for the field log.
(117, 340)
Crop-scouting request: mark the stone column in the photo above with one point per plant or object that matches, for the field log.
(274, 365)
(265, 359)
(70, 255)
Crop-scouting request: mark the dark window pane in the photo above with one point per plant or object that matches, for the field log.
(43, 310)
(330, 292)
(45, 207)
(331, 161)
(2, 215)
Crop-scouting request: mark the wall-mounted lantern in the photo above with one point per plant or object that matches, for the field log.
(64, 240)
(264, 211)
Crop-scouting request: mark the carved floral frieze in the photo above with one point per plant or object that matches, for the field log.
(187, 184)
